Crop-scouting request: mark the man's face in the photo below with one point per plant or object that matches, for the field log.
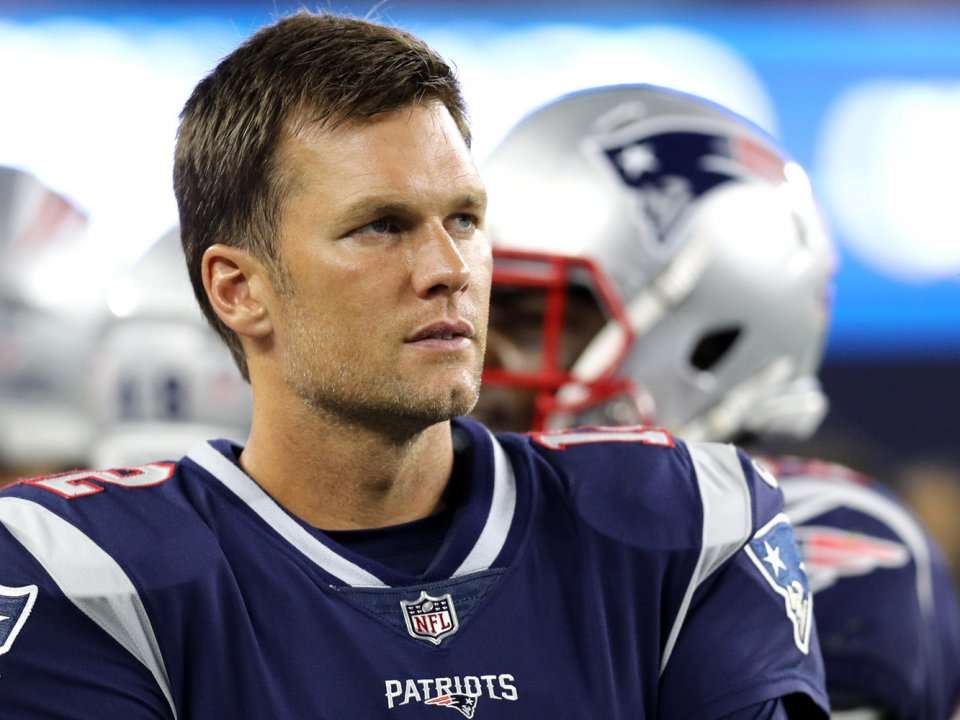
(382, 310)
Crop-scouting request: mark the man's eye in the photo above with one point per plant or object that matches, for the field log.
(465, 222)
(381, 226)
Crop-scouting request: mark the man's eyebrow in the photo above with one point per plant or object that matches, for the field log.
(378, 207)
(373, 208)
(476, 200)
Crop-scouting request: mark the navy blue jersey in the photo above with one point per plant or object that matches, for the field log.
(583, 575)
(886, 609)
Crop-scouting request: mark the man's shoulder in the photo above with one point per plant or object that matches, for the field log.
(643, 485)
(102, 563)
(598, 459)
(143, 519)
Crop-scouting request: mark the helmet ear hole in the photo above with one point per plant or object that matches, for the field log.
(713, 347)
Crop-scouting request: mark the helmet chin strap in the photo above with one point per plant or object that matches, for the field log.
(644, 311)
(648, 307)
(771, 402)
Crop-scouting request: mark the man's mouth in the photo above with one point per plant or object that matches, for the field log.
(446, 335)
(443, 330)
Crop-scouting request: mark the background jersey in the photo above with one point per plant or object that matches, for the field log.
(602, 574)
(886, 611)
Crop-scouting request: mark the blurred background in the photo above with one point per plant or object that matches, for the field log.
(865, 95)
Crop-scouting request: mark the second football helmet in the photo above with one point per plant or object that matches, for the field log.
(46, 341)
(162, 379)
(679, 264)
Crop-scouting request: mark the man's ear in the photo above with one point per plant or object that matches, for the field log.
(239, 289)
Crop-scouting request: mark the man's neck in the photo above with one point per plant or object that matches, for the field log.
(341, 476)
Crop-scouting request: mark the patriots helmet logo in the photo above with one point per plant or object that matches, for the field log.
(774, 552)
(669, 166)
(466, 705)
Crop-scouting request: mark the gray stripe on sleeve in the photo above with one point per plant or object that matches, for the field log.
(727, 521)
(91, 580)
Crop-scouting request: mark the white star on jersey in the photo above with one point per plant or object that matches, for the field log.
(772, 558)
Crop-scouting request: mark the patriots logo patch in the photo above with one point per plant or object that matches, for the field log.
(15, 607)
(466, 705)
(774, 552)
(831, 554)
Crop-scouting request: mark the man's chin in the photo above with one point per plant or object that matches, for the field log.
(402, 408)
(452, 390)
(457, 400)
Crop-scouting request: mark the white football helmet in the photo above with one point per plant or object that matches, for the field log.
(162, 379)
(45, 344)
(700, 250)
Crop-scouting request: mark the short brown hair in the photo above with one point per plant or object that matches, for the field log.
(308, 68)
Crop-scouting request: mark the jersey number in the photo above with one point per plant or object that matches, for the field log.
(81, 483)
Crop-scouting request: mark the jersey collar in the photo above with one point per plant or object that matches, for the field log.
(475, 540)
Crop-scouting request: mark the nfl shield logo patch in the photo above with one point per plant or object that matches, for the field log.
(773, 550)
(430, 618)
(15, 607)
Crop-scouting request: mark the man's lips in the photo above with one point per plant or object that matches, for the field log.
(443, 333)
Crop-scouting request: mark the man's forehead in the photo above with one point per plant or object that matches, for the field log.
(427, 129)
(399, 191)
(386, 161)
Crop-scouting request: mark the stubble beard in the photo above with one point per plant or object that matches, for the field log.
(351, 392)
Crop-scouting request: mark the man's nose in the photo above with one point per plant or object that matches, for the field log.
(439, 266)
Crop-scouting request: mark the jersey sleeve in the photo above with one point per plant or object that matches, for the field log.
(744, 634)
(66, 650)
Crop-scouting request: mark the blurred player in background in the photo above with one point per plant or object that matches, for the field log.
(162, 380)
(45, 340)
(659, 259)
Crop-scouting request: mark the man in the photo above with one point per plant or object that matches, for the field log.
(693, 290)
(366, 554)
(44, 426)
